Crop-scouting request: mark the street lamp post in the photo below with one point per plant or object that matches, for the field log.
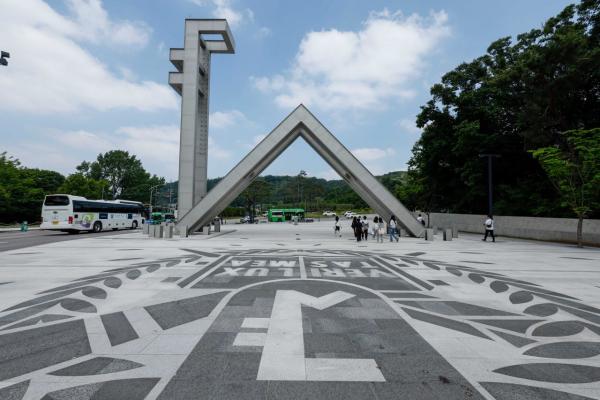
(490, 190)
(151, 190)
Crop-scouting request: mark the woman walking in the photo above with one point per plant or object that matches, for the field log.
(381, 228)
(392, 228)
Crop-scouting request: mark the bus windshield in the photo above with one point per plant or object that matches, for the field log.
(56, 201)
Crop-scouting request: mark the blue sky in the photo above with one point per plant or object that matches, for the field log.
(87, 76)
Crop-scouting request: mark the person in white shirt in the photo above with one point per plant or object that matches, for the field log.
(489, 228)
(392, 228)
(337, 227)
(421, 220)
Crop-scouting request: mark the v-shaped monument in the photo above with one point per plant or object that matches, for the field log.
(196, 206)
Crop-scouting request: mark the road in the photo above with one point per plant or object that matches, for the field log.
(14, 240)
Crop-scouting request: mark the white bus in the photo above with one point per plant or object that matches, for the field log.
(66, 213)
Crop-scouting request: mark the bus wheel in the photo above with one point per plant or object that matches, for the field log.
(97, 226)
(134, 225)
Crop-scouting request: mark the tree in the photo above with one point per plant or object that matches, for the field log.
(517, 97)
(22, 190)
(575, 172)
(124, 173)
(258, 191)
(78, 184)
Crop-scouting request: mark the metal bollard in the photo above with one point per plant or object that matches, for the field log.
(217, 225)
(448, 235)
(145, 228)
(169, 231)
(429, 234)
(151, 230)
(158, 231)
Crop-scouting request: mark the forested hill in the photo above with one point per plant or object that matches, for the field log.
(310, 192)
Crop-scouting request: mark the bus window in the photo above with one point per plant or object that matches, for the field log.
(56, 201)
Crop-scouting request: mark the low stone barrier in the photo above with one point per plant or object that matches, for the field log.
(537, 228)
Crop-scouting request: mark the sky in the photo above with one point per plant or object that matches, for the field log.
(88, 76)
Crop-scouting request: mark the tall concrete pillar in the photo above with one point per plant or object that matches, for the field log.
(192, 82)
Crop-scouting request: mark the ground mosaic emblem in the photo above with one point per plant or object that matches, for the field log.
(289, 324)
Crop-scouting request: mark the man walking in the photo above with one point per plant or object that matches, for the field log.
(489, 228)
(365, 228)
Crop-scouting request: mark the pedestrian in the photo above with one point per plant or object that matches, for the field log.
(421, 220)
(376, 229)
(365, 228)
(392, 228)
(381, 228)
(337, 229)
(489, 228)
(357, 228)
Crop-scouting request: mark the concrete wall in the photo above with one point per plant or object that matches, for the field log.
(550, 229)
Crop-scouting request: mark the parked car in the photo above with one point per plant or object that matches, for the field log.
(349, 214)
(246, 220)
(329, 214)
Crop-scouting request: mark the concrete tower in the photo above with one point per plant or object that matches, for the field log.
(192, 82)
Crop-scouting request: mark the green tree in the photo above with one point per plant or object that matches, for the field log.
(124, 173)
(78, 184)
(574, 171)
(256, 193)
(517, 97)
(22, 190)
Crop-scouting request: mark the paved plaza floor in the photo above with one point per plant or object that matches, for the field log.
(282, 311)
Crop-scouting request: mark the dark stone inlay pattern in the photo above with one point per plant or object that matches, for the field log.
(78, 305)
(5, 283)
(198, 273)
(476, 278)
(454, 271)
(94, 292)
(175, 313)
(438, 282)
(408, 295)
(445, 323)
(349, 329)
(171, 279)
(559, 328)
(113, 282)
(97, 366)
(512, 391)
(14, 392)
(37, 319)
(133, 274)
(565, 350)
(515, 325)
(431, 265)
(499, 287)
(118, 328)
(520, 297)
(515, 340)
(456, 308)
(30, 350)
(542, 310)
(553, 372)
(122, 389)
(416, 253)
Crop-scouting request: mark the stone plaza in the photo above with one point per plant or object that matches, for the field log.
(283, 311)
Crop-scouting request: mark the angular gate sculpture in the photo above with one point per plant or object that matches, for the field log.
(300, 123)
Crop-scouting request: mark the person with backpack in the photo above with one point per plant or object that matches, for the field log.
(489, 228)
(392, 226)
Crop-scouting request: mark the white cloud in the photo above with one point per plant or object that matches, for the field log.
(226, 119)
(408, 126)
(338, 70)
(94, 25)
(216, 151)
(51, 72)
(329, 175)
(225, 9)
(372, 153)
(263, 31)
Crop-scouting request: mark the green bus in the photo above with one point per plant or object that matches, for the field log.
(284, 214)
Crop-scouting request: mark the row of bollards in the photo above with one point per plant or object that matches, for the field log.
(163, 231)
(447, 233)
